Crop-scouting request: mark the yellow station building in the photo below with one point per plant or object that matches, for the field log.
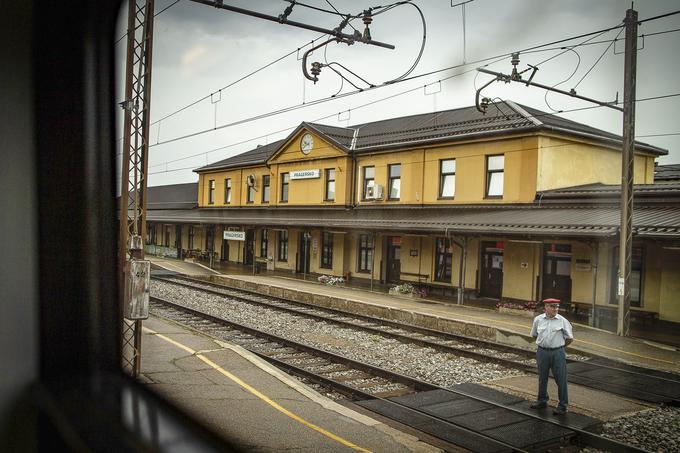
(515, 205)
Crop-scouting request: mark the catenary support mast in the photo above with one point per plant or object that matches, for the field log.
(134, 166)
(626, 231)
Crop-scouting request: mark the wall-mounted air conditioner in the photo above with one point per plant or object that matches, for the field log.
(250, 180)
(374, 192)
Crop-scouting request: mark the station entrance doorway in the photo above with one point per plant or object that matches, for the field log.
(491, 278)
(393, 261)
(557, 272)
(302, 265)
(248, 253)
(224, 252)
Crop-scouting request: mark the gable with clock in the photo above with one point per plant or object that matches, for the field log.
(306, 144)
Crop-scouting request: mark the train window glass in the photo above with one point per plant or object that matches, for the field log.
(233, 132)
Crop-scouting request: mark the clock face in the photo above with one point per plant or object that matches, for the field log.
(306, 144)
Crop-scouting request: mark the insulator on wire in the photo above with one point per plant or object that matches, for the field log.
(316, 70)
(515, 61)
(367, 18)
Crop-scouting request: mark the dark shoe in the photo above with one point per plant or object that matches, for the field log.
(560, 410)
(538, 405)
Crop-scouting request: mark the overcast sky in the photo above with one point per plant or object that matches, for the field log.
(199, 50)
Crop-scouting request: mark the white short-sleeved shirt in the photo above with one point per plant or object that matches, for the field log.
(551, 332)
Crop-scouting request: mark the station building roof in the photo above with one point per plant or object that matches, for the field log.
(647, 194)
(667, 173)
(534, 220)
(502, 118)
(172, 197)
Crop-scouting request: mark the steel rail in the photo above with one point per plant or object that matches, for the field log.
(376, 330)
(644, 395)
(387, 322)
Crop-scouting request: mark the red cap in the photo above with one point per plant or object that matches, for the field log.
(551, 301)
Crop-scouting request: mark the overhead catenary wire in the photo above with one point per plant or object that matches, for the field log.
(598, 60)
(347, 17)
(418, 88)
(539, 116)
(537, 48)
(231, 84)
(350, 93)
(369, 12)
(498, 57)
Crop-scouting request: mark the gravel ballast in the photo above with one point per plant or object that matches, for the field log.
(423, 363)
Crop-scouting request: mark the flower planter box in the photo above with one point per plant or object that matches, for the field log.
(410, 295)
(515, 311)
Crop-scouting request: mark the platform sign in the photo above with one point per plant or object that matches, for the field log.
(137, 282)
(235, 235)
(305, 174)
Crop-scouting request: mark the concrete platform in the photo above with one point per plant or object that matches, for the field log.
(256, 406)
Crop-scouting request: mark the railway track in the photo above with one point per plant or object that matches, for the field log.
(467, 416)
(631, 382)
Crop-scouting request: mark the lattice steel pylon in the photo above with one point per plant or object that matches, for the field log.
(135, 162)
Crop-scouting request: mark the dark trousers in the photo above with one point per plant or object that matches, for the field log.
(554, 360)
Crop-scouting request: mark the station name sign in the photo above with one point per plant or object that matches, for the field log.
(305, 174)
(235, 235)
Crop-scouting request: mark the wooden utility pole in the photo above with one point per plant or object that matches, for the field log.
(134, 177)
(628, 153)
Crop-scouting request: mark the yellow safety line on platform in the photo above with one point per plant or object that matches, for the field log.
(258, 394)
(624, 352)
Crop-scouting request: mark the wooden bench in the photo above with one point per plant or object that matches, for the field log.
(581, 308)
(611, 312)
(420, 277)
(644, 316)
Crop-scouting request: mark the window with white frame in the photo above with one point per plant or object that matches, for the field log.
(211, 191)
(265, 188)
(227, 191)
(394, 174)
(285, 178)
(447, 178)
(368, 180)
(494, 175)
(250, 196)
(330, 184)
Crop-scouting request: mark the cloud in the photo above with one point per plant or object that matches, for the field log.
(193, 59)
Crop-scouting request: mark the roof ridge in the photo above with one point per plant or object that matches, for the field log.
(412, 116)
(519, 109)
(349, 128)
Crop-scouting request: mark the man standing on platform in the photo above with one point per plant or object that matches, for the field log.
(552, 332)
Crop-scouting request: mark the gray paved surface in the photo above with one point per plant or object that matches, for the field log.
(232, 409)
